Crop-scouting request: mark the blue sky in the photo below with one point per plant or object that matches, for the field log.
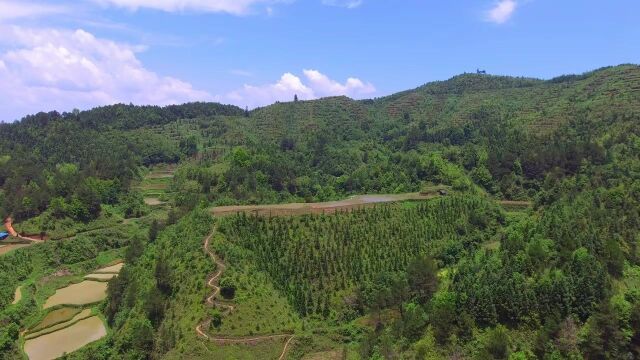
(78, 54)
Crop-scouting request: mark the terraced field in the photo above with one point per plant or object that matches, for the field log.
(83, 293)
(66, 340)
(154, 185)
(69, 324)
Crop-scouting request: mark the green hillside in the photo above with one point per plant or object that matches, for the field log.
(450, 275)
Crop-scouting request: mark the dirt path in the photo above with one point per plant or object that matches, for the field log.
(214, 283)
(328, 207)
(359, 201)
(8, 224)
(17, 296)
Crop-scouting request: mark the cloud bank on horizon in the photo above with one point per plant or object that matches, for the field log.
(42, 69)
(75, 69)
(317, 85)
(63, 68)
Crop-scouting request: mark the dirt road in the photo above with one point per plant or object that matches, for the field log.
(214, 283)
(8, 224)
(328, 207)
(359, 201)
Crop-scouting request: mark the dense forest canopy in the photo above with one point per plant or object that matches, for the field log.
(454, 277)
(507, 134)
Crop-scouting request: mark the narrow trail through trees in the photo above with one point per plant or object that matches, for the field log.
(214, 283)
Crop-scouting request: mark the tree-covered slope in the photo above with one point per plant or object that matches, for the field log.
(455, 277)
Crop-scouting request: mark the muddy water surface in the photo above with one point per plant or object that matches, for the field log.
(55, 317)
(100, 277)
(79, 316)
(86, 292)
(152, 201)
(67, 340)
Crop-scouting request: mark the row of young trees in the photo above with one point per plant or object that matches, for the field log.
(313, 257)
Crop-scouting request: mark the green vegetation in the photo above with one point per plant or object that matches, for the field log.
(456, 276)
(313, 258)
(68, 165)
(259, 308)
(156, 301)
(42, 268)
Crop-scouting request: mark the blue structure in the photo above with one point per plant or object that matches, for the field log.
(4, 235)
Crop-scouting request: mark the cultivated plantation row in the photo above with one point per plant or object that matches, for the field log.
(312, 257)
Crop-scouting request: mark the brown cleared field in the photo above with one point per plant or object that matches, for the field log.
(153, 201)
(328, 207)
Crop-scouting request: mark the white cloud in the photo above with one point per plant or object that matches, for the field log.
(502, 11)
(11, 10)
(289, 85)
(349, 4)
(240, 72)
(47, 69)
(324, 86)
(236, 7)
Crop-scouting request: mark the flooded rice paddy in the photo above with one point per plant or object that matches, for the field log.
(100, 277)
(110, 269)
(67, 340)
(86, 292)
(77, 317)
(55, 317)
(153, 201)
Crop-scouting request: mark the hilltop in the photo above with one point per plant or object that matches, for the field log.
(496, 120)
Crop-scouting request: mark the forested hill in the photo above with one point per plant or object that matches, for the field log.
(506, 133)
(453, 104)
(453, 277)
(51, 155)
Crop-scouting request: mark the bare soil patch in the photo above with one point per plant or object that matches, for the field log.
(5, 248)
(17, 296)
(152, 201)
(328, 207)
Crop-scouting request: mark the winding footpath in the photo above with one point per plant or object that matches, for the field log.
(214, 283)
